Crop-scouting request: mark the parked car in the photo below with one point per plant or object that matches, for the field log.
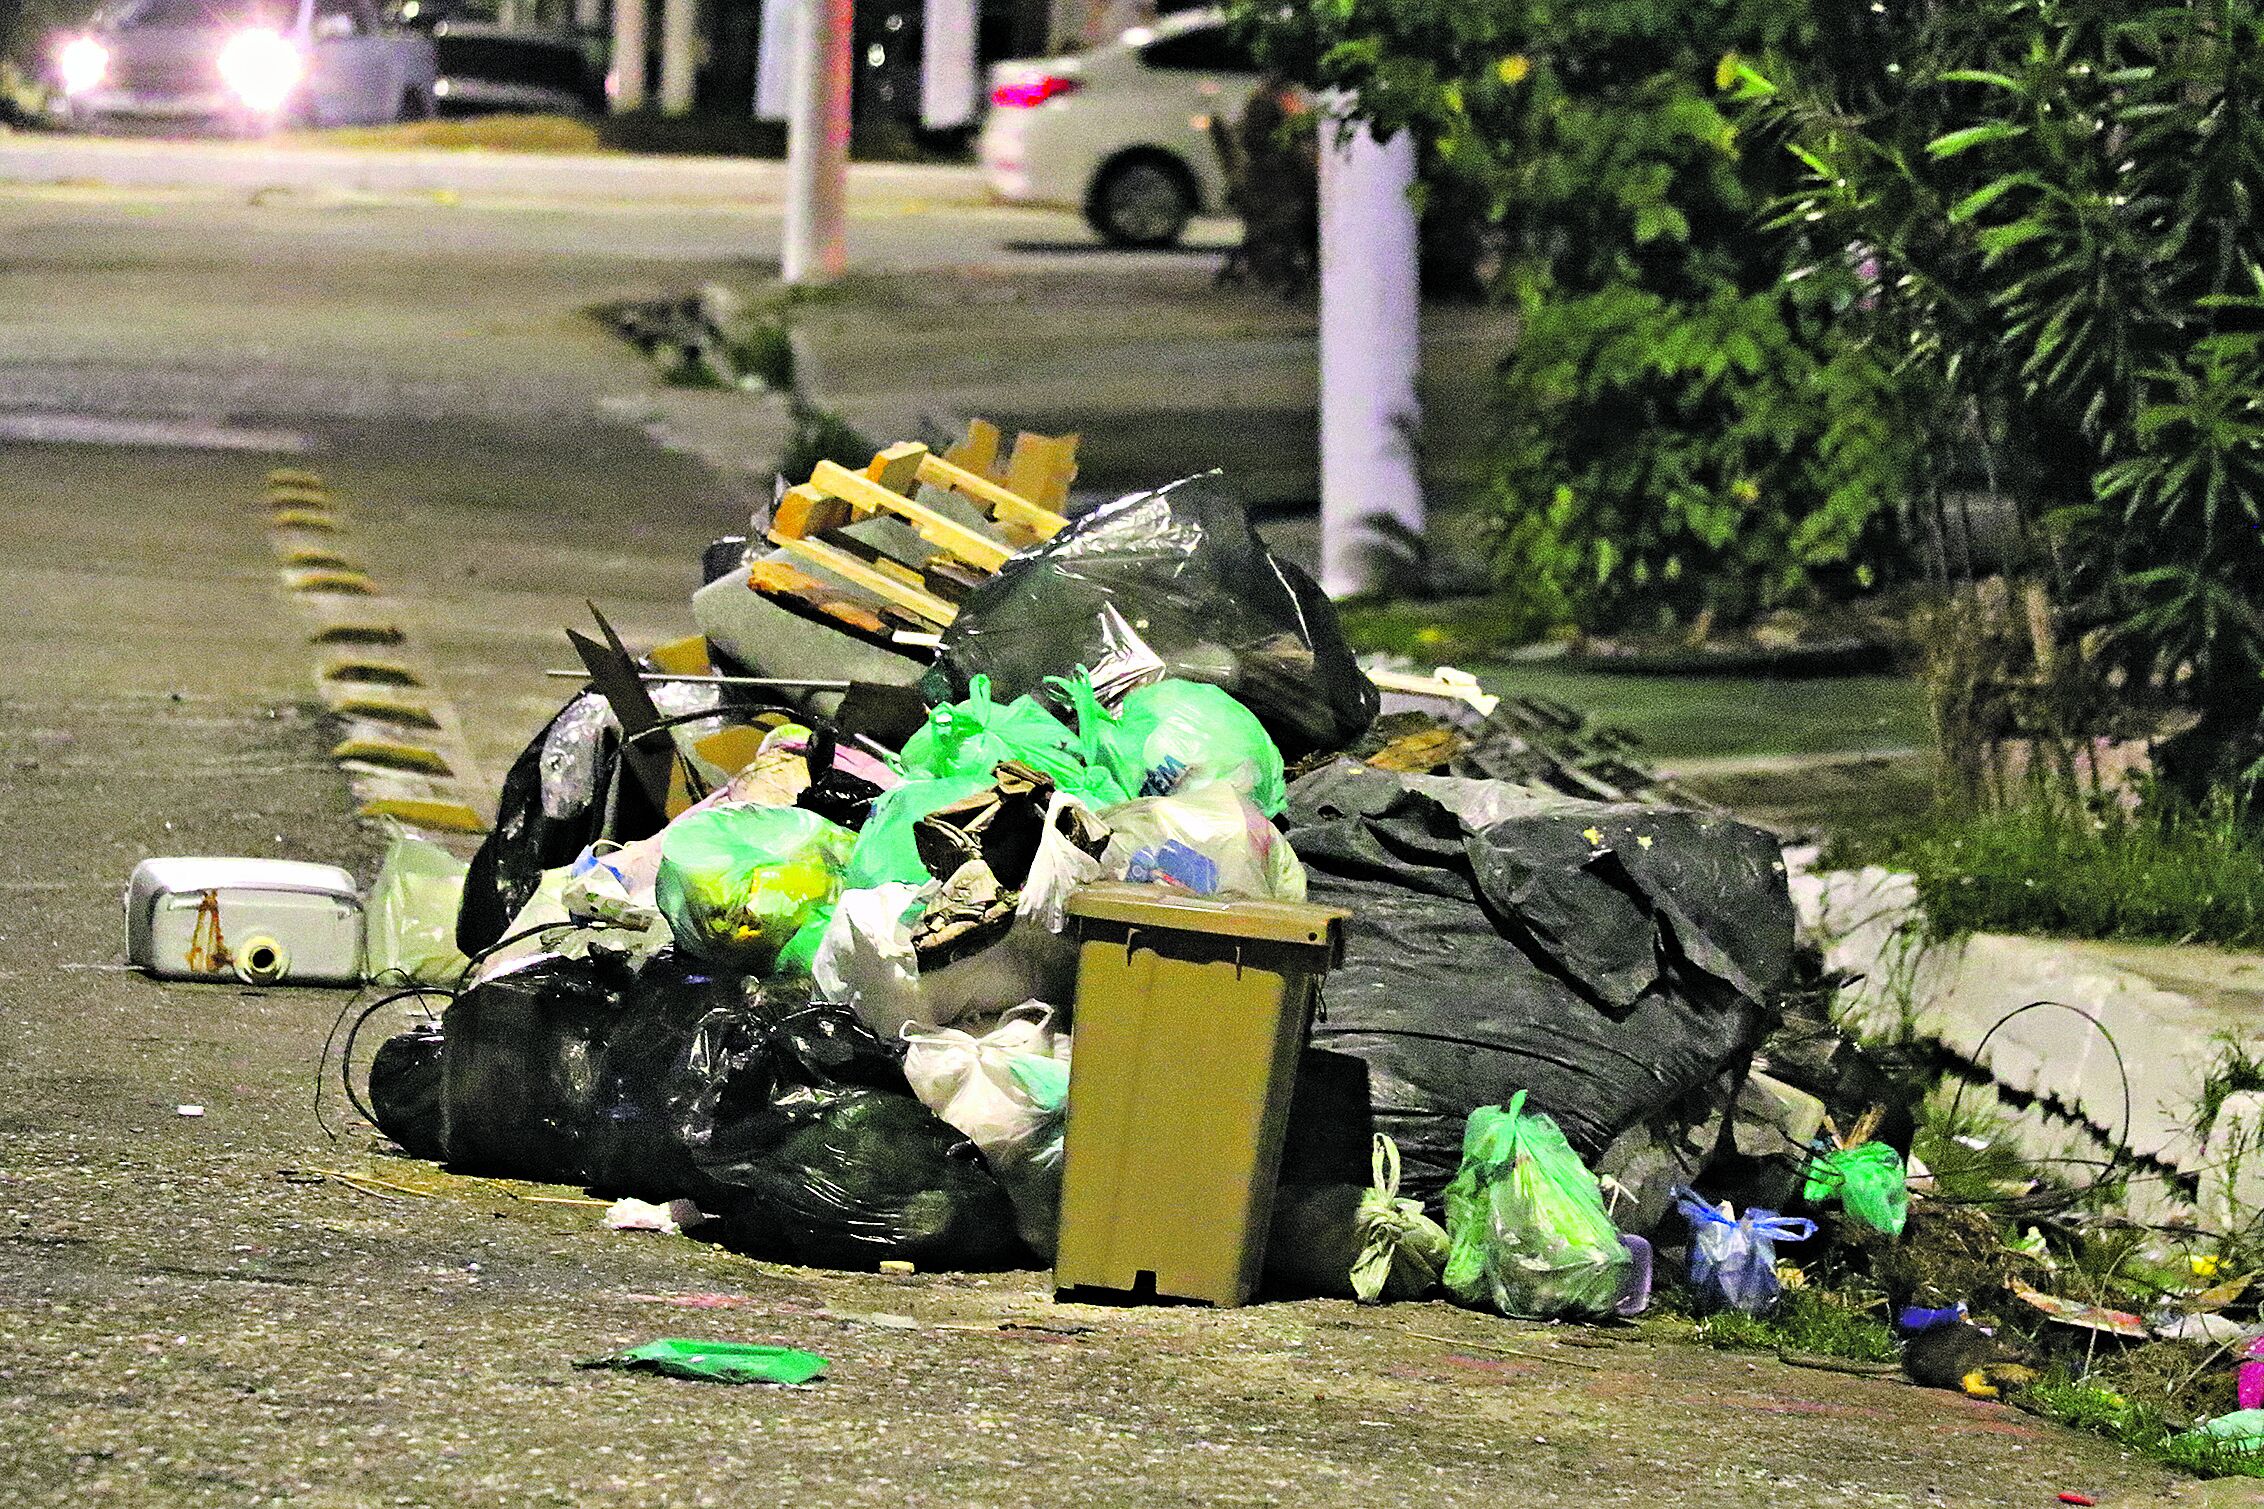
(242, 65)
(486, 68)
(1122, 131)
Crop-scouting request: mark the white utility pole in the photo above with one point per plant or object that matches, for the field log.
(817, 144)
(628, 56)
(774, 60)
(948, 73)
(1370, 348)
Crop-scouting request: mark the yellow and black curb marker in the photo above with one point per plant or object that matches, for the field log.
(403, 746)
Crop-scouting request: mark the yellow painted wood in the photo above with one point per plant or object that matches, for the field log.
(1042, 467)
(969, 545)
(807, 511)
(683, 657)
(898, 467)
(979, 451)
(1005, 506)
(858, 574)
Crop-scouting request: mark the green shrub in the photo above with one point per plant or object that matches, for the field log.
(1683, 435)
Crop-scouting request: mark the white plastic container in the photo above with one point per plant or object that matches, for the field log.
(262, 921)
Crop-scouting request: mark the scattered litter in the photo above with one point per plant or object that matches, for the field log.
(1733, 1258)
(188, 1110)
(896, 1268)
(716, 1361)
(2068, 1312)
(2077, 1498)
(637, 1215)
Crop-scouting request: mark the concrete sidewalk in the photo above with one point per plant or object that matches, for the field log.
(1161, 370)
(40, 157)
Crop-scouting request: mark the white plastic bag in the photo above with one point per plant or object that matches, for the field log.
(1007, 1092)
(1208, 842)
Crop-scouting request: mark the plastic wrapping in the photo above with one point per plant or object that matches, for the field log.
(1733, 1258)
(1207, 842)
(1176, 736)
(973, 737)
(1185, 571)
(411, 927)
(524, 843)
(1610, 960)
(736, 883)
(1008, 1092)
(1528, 1230)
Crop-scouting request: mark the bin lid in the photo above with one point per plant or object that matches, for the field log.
(1159, 906)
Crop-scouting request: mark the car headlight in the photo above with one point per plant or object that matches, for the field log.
(261, 68)
(82, 63)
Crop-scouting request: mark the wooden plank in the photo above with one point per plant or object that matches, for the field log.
(807, 511)
(898, 467)
(866, 495)
(914, 600)
(977, 453)
(1042, 467)
(1007, 507)
(682, 657)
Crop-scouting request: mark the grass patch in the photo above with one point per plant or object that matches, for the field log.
(1441, 631)
(1805, 1321)
(2139, 1427)
(2163, 874)
(819, 434)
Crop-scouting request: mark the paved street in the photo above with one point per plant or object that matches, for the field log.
(195, 1310)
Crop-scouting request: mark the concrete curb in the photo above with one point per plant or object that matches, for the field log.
(2061, 1086)
(251, 167)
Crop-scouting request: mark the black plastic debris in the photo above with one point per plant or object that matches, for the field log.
(1607, 959)
(406, 1091)
(1189, 575)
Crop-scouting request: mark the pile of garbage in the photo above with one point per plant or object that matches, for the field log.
(776, 922)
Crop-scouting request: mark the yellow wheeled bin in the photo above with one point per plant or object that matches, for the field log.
(1190, 1017)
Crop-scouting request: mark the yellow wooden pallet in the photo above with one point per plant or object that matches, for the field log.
(922, 598)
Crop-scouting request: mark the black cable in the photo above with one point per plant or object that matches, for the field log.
(346, 1054)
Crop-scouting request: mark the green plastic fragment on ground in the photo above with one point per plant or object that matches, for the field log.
(1869, 1182)
(716, 1361)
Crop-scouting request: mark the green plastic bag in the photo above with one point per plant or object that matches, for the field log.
(975, 736)
(737, 883)
(1868, 1180)
(1173, 736)
(716, 1361)
(1526, 1224)
(412, 916)
(1402, 1250)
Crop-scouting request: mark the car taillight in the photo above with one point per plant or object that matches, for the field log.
(1023, 94)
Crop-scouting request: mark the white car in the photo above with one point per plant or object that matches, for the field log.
(243, 65)
(1122, 131)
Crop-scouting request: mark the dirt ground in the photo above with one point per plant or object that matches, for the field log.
(192, 1313)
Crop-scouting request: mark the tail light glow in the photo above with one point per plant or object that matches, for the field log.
(1029, 93)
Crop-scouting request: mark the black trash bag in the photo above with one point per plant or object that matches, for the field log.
(526, 840)
(849, 1178)
(406, 1091)
(661, 1054)
(522, 1068)
(810, 1130)
(1606, 959)
(1186, 571)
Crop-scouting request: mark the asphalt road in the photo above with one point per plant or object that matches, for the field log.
(197, 1310)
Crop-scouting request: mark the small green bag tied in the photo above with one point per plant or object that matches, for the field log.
(1402, 1251)
(716, 1361)
(1868, 1180)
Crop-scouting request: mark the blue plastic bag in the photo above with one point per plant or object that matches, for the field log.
(1733, 1258)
